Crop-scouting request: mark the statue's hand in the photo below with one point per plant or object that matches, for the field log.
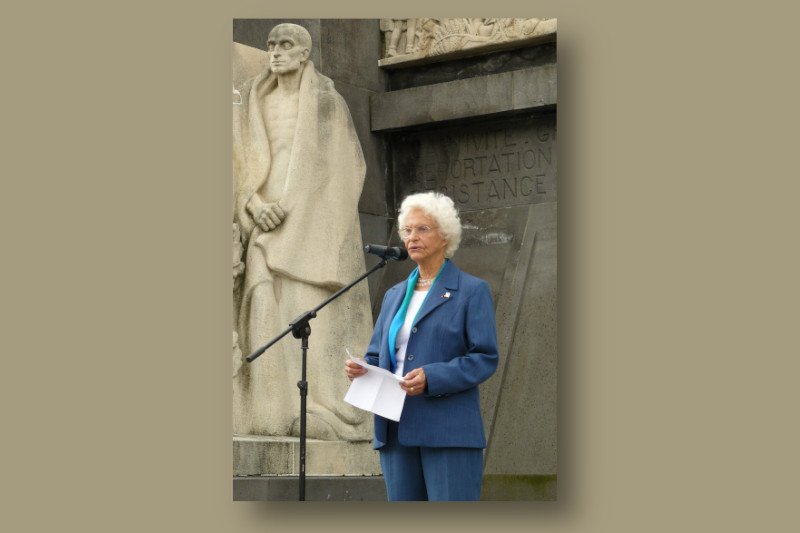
(269, 216)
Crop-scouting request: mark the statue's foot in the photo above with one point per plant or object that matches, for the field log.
(316, 428)
(267, 424)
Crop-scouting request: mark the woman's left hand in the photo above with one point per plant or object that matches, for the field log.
(414, 382)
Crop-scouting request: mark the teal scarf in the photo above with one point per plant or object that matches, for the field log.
(400, 317)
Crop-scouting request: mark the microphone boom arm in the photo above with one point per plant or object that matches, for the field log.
(299, 324)
(301, 330)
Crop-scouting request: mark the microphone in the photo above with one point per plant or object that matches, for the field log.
(395, 252)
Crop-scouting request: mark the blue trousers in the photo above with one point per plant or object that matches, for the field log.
(430, 474)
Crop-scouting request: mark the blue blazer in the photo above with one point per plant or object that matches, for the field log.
(454, 339)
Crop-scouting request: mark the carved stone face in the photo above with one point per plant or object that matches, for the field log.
(286, 50)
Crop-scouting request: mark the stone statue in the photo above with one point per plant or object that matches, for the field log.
(299, 171)
(238, 252)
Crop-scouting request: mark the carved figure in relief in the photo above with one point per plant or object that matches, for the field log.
(238, 275)
(393, 28)
(507, 29)
(425, 32)
(440, 36)
(238, 361)
(299, 171)
(238, 252)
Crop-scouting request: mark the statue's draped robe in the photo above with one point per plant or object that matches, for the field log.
(316, 250)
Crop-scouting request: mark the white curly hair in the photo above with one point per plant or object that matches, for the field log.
(440, 208)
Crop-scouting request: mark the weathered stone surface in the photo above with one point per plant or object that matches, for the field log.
(373, 195)
(317, 488)
(247, 63)
(411, 42)
(373, 488)
(520, 400)
(474, 66)
(375, 230)
(534, 88)
(519, 487)
(462, 99)
(497, 164)
(255, 455)
(348, 45)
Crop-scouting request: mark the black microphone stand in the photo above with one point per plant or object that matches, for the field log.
(300, 329)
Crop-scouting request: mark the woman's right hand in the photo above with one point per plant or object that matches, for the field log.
(353, 370)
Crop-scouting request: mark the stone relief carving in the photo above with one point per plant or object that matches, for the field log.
(397, 29)
(238, 360)
(299, 170)
(427, 37)
(238, 252)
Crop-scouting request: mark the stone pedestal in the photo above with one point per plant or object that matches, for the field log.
(317, 489)
(255, 455)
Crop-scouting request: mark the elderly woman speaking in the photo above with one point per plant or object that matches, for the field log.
(436, 331)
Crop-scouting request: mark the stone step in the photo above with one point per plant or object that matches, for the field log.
(318, 488)
(255, 455)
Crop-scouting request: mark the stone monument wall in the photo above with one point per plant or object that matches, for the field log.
(480, 125)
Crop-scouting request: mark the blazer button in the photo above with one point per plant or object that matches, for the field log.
(411, 357)
(413, 330)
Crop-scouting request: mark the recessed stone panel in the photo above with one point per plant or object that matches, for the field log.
(481, 166)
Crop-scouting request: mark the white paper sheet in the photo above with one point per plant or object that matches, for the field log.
(377, 391)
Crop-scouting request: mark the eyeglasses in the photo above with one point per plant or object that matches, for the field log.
(407, 231)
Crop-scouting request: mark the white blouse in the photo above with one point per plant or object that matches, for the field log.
(405, 331)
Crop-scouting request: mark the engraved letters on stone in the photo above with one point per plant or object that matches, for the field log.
(484, 166)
